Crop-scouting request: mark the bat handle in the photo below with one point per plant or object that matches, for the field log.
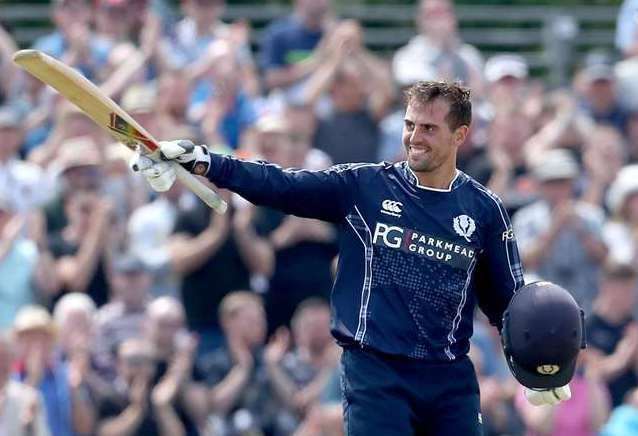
(207, 195)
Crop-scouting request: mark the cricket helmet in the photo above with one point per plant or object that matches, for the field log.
(543, 332)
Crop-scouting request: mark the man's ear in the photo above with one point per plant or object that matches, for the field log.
(460, 134)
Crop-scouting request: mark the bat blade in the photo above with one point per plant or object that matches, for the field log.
(106, 113)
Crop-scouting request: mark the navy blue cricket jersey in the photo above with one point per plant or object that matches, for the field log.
(414, 261)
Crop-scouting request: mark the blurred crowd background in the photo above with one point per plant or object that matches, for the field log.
(124, 311)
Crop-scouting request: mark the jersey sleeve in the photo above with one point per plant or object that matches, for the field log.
(325, 195)
(499, 269)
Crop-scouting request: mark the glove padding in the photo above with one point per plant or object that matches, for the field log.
(551, 397)
(159, 174)
(194, 158)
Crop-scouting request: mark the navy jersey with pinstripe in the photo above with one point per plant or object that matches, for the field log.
(414, 261)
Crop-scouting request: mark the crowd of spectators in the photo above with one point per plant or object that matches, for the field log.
(124, 311)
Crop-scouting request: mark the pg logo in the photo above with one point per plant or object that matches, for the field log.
(390, 236)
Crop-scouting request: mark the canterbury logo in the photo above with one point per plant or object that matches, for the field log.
(464, 226)
(391, 207)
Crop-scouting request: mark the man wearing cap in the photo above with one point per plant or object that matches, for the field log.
(560, 237)
(67, 410)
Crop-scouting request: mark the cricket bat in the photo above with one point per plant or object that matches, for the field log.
(107, 114)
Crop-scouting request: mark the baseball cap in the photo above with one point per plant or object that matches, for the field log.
(505, 65)
(139, 98)
(555, 164)
(33, 317)
(78, 152)
(624, 185)
(129, 264)
(600, 71)
(543, 332)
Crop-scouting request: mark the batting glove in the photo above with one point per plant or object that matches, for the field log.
(160, 175)
(195, 158)
(551, 397)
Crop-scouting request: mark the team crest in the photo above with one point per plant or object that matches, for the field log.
(464, 226)
(548, 369)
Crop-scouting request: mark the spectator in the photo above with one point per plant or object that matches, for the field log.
(299, 377)
(123, 316)
(21, 183)
(73, 41)
(67, 410)
(27, 270)
(603, 157)
(219, 105)
(360, 91)
(619, 232)
(174, 357)
(507, 77)
(21, 411)
(77, 167)
(560, 237)
(205, 253)
(79, 248)
(303, 249)
(289, 49)
(239, 391)
(596, 86)
(138, 406)
(612, 332)
(438, 49)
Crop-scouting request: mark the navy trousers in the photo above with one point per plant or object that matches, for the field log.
(389, 395)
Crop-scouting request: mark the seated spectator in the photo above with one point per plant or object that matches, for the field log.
(139, 404)
(560, 237)
(67, 410)
(165, 329)
(239, 389)
(438, 49)
(612, 331)
(123, 316)
(21, 410)
(507, 77)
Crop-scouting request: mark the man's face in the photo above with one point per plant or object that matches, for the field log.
(623, 293)
(250, 324)
(10, 139)
(427, 138)
(313, 329)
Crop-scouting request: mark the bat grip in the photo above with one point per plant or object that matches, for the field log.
(207, 195)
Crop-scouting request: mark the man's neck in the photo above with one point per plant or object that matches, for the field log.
(439, 179)
(309, 22)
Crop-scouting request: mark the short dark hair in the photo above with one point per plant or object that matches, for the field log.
(457, 96)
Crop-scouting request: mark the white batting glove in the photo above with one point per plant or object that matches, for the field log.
(551, 397)
(160, 175)
(195, 158)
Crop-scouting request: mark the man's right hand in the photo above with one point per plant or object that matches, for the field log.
(161, 174)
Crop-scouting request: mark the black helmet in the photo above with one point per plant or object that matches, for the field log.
(543, 332)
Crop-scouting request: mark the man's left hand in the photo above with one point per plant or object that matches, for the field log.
(550, 397)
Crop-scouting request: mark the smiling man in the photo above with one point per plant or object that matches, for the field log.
(421, 244)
